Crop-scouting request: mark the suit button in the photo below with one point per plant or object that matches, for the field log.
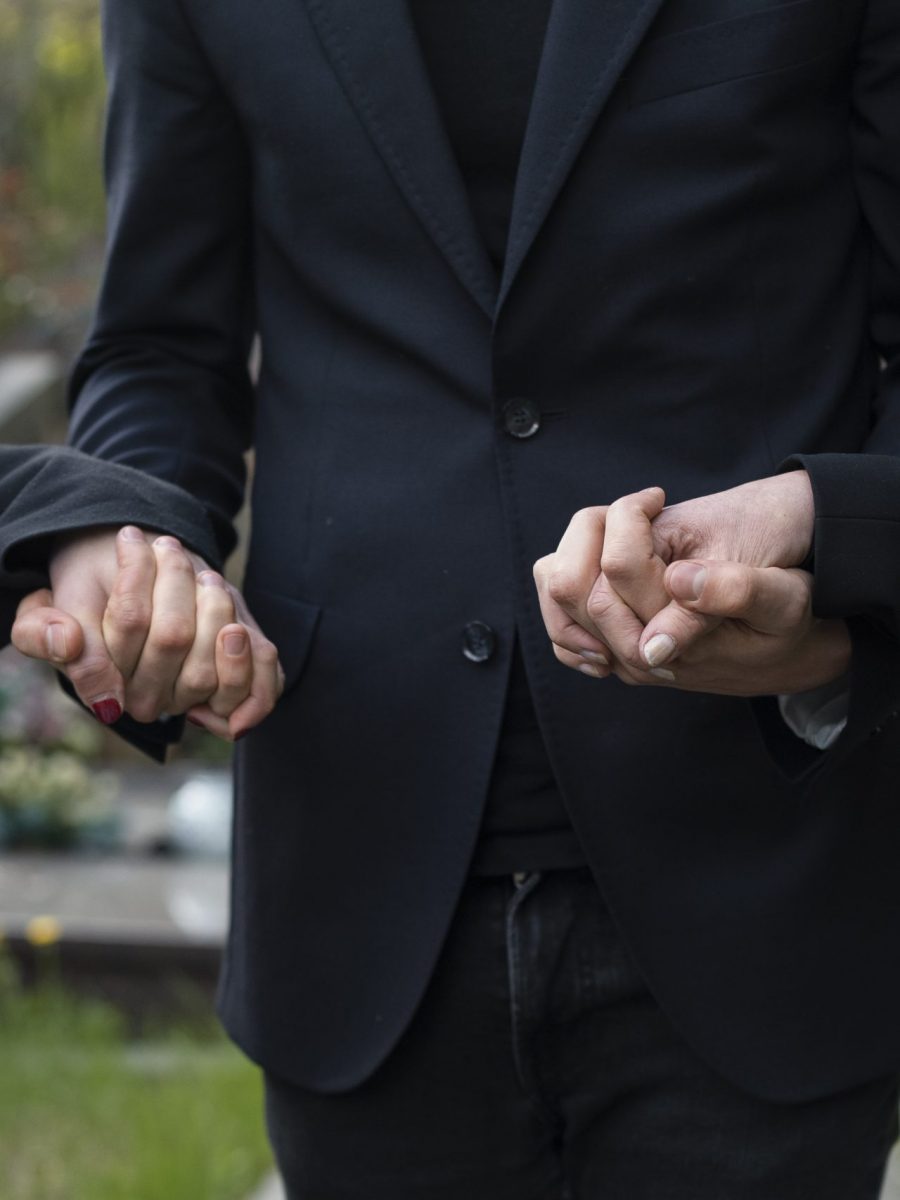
(522, 418)
(479, 642)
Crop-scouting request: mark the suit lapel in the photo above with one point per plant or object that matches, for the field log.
(375, 53)
(587, 46)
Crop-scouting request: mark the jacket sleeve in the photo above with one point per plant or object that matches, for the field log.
(163, 383)
(856, 547)
(45, 490)
(857, 496)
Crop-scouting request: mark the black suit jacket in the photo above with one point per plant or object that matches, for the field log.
(703, 280)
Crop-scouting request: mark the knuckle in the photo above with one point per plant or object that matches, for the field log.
(218, 601)
(587, 516)
(737, 594)
(198, 680)
(794, 613)
(89, 674)
(564, 587)
(128, 612)
(173, 635)
(265, 652)
(542, 567)
(599, 607)
(174, 557)
(616, 564)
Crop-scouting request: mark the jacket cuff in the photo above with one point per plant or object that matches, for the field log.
(153, 739)
(856, 543)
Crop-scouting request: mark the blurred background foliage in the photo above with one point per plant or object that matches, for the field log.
(86, 1113)
(51, 114)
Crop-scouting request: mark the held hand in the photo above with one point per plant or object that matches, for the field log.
(767, 523)
(605, 581)
(602, 592)
(162, 633)
(614, 601)
(766, 641)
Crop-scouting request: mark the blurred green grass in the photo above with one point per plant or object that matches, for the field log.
(86, 1114)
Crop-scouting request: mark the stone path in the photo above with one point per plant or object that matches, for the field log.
(121, 898)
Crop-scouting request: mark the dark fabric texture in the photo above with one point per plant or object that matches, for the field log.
(702, 278)
(525, 824)
(482, 60)
(538, 1067)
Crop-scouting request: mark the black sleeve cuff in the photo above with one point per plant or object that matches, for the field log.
(152, 739)
(856, 544)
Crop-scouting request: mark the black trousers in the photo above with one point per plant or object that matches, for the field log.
(540, 1068)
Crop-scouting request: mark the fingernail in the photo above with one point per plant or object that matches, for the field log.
(56, 642)
(587, 669)
(234, 644)
(663, 673)
(165, 540)
(107, 711)
(210, 579)
(686, 581)
(194, 721)
(659, 649)
(595, 656)
(131, 533)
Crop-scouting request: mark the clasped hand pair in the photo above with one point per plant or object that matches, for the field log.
(705, 595)
(140, 624)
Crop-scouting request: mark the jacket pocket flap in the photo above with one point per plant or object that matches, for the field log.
(751, 44)
(289, 623)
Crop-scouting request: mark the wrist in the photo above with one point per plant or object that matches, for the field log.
(798, 511)
(827, 658)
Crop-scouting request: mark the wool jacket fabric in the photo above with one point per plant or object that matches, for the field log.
(701, 287)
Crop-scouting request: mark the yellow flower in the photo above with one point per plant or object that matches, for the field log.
(43, 931)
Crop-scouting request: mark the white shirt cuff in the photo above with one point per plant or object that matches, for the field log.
(820, 715)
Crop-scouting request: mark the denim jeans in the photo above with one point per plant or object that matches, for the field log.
(539, 1067)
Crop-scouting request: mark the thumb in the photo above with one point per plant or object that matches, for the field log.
(773, 600)
(685, 619)
(44, 632)
(97, 681)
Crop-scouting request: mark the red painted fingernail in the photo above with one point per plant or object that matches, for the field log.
(107, 711)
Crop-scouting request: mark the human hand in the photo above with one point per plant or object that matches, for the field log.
(766, 641)
(159, 632)
(612, 603)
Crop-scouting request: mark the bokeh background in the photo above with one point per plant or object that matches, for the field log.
(116, 1083)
